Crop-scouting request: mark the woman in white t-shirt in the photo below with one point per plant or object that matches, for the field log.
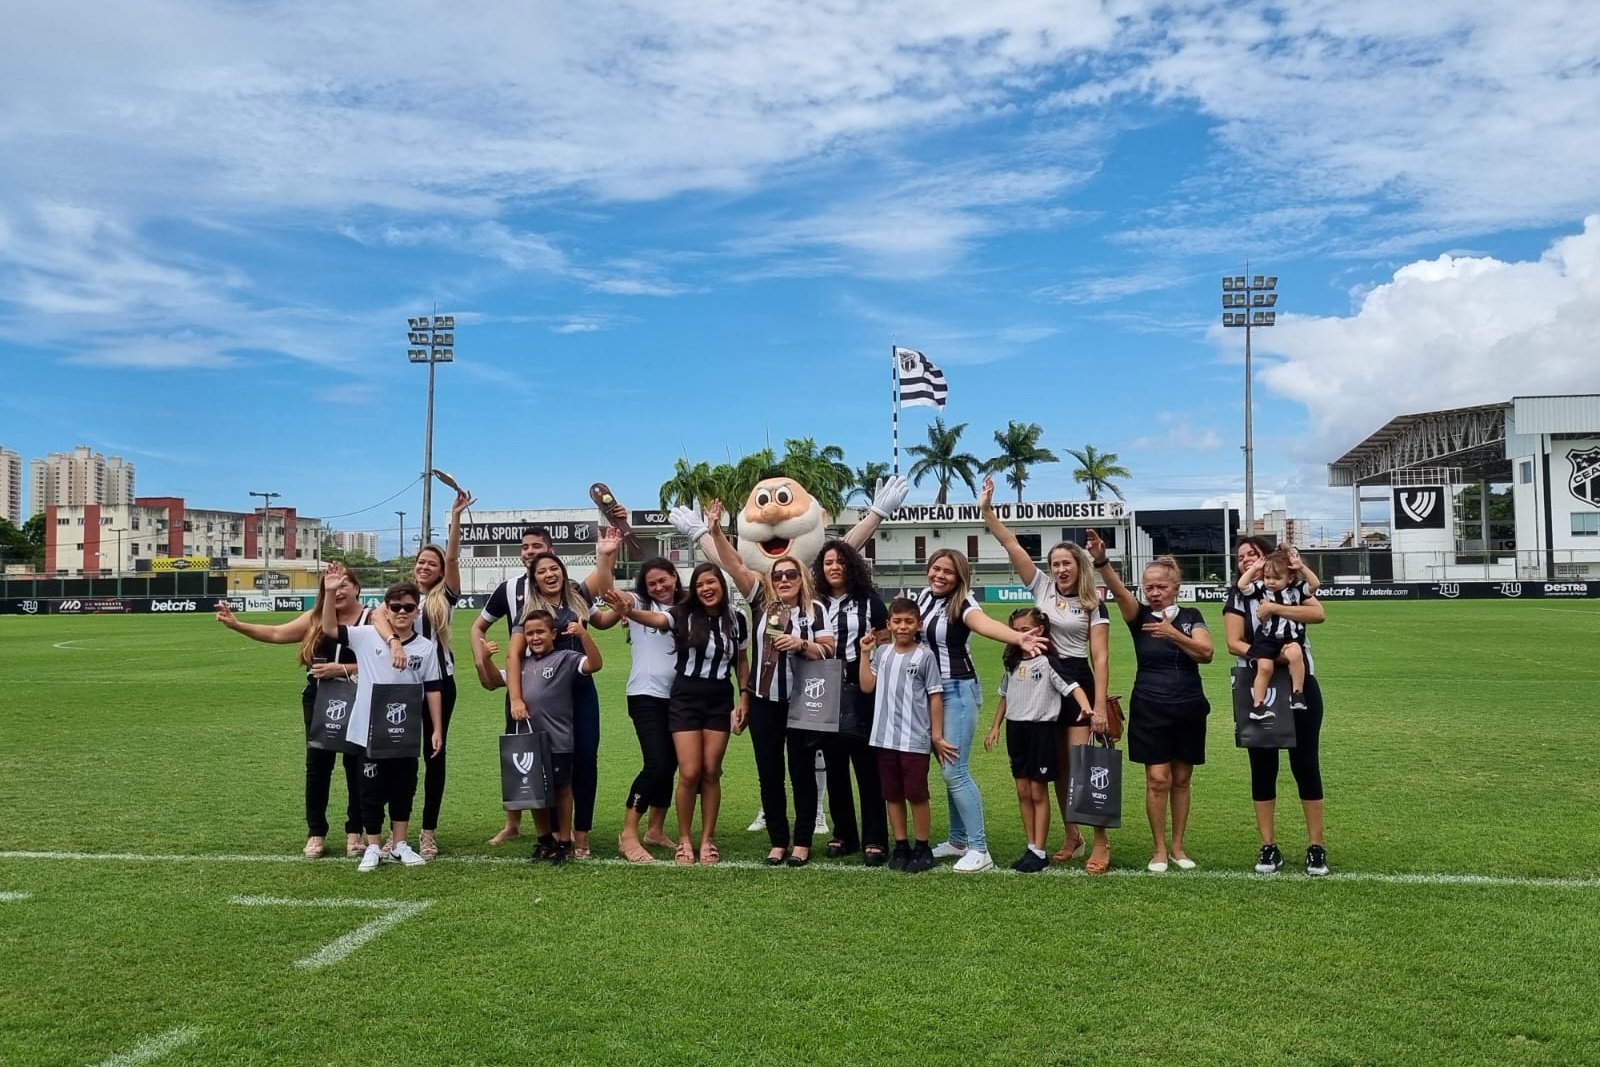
(1080, 632)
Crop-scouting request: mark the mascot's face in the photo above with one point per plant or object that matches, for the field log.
(780, 518)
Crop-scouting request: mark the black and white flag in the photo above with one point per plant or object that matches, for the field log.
(921, 383)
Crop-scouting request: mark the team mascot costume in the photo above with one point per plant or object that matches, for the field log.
(780, 517)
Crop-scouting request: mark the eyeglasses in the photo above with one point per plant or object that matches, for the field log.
(786, 576)
(402, 609)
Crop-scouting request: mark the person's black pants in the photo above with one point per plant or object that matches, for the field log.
(803, 747)
(841, 753)
(1304, 759)
(319, 780)
(652, 786)
(386, 783)
(586, 757)
(769, 726)
(433, 767)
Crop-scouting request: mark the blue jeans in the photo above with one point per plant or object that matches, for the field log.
(962, 698)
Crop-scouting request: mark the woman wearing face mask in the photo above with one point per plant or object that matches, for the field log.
(321, 659)
(437, 572)
(786, 621)
(950, 616)
(1167, 711)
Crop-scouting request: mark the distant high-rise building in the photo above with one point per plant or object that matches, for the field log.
(349, 541)
(80, 477)
(11, 486)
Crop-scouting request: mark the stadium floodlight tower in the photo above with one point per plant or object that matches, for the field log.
(1247, 301)
(432, 341)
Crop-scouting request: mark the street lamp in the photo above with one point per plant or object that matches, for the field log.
(401, 551)
(431, 342)
(264, 533)
(1247, 301)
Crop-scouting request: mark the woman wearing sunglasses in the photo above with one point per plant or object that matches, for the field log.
(786, 621)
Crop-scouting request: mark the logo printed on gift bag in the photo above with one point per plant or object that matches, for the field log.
(397, 714)
(370, 770)
(814, 687)
(523, 762)
(1099, 777)
(335, 710)
(1271, 697)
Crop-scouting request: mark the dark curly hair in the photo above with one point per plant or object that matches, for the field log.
(857, 576)
(658, 563)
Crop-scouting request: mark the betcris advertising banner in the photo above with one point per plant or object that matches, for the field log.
(1519, 590)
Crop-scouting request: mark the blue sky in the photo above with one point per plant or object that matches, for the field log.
(688, 229)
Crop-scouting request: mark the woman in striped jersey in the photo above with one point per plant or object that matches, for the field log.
(709, 637)
(950, 616)
(854, 609)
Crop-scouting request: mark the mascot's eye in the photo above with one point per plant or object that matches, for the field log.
(783, 495)
(763, 498)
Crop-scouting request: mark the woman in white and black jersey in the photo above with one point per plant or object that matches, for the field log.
(786, 620)
(709, 637)
(950, 615)
(437, 572)
(649, 691)
(854, 609)
(321, 658)
(1080, 640)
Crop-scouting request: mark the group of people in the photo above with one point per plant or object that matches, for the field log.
(702, 670)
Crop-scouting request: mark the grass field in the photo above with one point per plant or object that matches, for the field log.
(154, 906)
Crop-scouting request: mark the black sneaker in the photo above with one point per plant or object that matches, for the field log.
(1259, 712)
(561, 854)
(901, 857)
(921, 860)
(1030, 863)
(1297, 701)
(1270, 861)
(1316, 861)
(1021, 861)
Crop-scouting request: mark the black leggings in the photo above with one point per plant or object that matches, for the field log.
(586, 756)
(319, 781)
(1303, 758)
(433, 767)
(652, 786)
(841, 752)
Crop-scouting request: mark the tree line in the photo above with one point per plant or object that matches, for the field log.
(835, 484)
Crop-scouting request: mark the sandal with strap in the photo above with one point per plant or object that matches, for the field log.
(634, 852)
(315, 846)
(709, 854)
(1069, 851)
(427, 845)
(685, 855)
(1098, 866)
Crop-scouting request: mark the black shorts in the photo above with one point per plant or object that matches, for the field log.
(1074, 669)
(1033, 752)
(1267, 647)
(560, 769)
(1162, 732)
(700, 704)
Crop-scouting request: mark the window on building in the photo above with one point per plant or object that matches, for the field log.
(1032, 544)
(80, 520)
(1525, 471)
(134, 551)
(63, 522)
(134, 526)
(1586, 524)
(105, 521)
(919, 549)
(972, 547)
(80, 546)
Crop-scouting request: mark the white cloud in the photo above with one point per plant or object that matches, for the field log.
(1175, 432)
(181, 351)
(1444, 332)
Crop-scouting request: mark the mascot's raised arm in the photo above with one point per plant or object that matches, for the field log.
(780, 517)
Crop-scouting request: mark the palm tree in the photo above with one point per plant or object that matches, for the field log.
(1019, 450)
(866, 481)
(688, 484)
(1096, 469)
(939, 458)
(822, 471)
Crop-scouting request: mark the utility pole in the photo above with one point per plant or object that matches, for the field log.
(264, 534)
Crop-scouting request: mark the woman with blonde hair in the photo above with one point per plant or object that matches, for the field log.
(950, 615)
(1168, 708)
(786, 621)
(1080, 639)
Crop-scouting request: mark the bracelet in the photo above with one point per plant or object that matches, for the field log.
(1099, 563)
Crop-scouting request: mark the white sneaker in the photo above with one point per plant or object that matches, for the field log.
(370, 859)
(975, 860)
(758, 823)
(944, 850)
(407, 855)
(821, 824)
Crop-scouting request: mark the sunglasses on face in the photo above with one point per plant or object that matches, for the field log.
(403, 609)
(786, 576)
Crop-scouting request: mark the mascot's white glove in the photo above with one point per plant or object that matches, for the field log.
(690, 522)
(892, 492)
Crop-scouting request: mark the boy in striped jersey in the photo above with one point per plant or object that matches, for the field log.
(907, 724)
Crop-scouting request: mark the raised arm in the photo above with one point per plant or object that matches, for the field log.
(891, 493)
(1307, 575)
(1126, 601)
(330, 614)
(606, 546)
(728, 557)
(1020, 560)
(452, 548)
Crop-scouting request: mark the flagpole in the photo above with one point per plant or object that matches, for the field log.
(894, 397)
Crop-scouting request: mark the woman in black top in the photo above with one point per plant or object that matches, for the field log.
(854, 608)
(1167, 711)
(321, 658)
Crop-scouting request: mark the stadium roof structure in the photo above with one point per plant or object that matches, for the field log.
(1471, 440)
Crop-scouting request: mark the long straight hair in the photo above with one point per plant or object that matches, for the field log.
(1086, 593)
(312, 641)
(808, 592)
(692, 623)
(437, 607)
(570, 597)
(958, 593)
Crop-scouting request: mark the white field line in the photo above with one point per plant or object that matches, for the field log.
(153, 1048)
(394, 911)
(829, 868)
(72, 646)
(11, 894)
